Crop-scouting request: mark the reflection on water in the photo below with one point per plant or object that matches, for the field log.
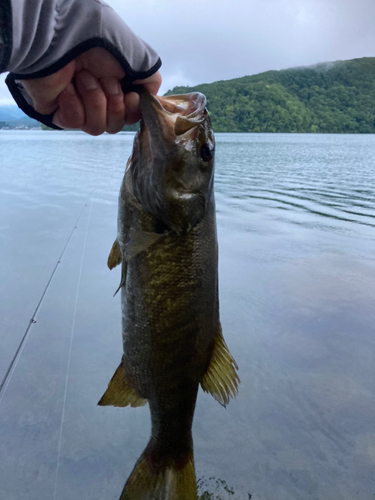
(216, 489)
(332, 177)
(296, 217)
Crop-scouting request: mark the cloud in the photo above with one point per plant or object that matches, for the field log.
(213, 40)
(203, 41)
(178, 77)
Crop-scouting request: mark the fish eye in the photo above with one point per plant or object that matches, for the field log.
(206, 153)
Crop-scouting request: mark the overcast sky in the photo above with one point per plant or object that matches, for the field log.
(202, 41)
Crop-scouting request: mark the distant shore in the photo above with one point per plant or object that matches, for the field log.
(328, 98)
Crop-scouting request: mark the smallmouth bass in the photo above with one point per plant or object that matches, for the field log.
(167, 245)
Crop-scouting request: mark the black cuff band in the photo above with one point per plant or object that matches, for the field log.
(15, 87)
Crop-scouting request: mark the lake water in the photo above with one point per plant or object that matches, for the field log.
(296, 224)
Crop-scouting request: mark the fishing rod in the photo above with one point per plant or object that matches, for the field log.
(33, 320)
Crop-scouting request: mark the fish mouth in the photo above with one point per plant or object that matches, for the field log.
(186, 111)
(169, 117)
(170, 177)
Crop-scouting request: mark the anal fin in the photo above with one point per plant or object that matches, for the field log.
(120, 392)
(114, 258)
(221, 379)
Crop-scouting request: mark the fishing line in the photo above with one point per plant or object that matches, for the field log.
(70, 354)
(13, 364)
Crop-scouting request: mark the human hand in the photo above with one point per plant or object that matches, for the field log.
(86, 94)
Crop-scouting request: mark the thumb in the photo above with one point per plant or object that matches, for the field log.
(45, 91)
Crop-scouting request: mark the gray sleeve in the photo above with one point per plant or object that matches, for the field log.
(5, 34)
(48, 34)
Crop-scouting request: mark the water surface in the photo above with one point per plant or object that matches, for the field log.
(296, 223)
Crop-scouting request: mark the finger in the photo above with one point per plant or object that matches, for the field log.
(70, 113)
(45, 91)
(100, 63)
(94, 103)
(41, 105)
(115, 104)
(132, 108)
(152, 83)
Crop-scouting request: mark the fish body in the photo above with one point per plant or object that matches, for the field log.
(167, 245)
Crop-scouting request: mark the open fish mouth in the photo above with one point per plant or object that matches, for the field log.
(175, 114)
(188, 105)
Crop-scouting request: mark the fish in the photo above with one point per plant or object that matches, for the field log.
(168, 251)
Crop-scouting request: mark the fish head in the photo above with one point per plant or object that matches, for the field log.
(173, 159)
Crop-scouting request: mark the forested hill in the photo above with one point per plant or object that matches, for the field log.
(335, 97)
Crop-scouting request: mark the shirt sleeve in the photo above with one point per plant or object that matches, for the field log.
(5, 34)
(42, 36)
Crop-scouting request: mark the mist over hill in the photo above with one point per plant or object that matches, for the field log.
(10, 112)
(12, 117)
(331, 97)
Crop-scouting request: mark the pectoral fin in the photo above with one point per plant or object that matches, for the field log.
(124, 269)
(114, 258)
(120, 392)
(221, 379)
(140, 241)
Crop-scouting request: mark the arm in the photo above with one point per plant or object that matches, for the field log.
(5, 34)
(67, 59)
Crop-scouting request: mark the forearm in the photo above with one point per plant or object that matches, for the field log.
(41, 36)
(40, 39)
(5, 34)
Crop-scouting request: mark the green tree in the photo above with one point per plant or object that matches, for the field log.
(337, 97)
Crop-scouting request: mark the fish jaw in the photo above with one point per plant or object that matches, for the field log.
(173, 160)
(171, 116)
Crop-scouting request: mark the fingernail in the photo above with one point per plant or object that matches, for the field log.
(88, 81)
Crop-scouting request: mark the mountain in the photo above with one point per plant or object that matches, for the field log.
(332, 97)
(10, 112)
(12, 117)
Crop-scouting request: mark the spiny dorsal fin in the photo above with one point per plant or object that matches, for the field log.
(114, 258)
(120, 392)
(221, 379)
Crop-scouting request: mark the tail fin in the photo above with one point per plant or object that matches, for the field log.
(171, 480)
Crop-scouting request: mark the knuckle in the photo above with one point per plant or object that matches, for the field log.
(73, 119)
(96, 106)
(116, 107)
(96, 103)
(114, 128)
(93, 129)
(44, 109)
